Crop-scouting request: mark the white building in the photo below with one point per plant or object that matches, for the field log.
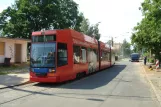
(13, 48)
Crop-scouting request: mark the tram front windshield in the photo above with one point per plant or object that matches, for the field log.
(43, 54)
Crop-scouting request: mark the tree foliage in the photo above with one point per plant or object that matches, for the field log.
(126, 51)
(109, 42)
(90, 30)
(25, 16)
(147, 33)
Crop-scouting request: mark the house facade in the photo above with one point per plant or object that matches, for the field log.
(13, 48)
(117, 47)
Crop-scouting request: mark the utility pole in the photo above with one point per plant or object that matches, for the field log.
(112, 41)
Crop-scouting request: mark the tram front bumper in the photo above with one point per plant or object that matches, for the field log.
(52, 79)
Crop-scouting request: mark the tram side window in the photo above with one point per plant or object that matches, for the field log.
(102, 55)
(88, 54)
(96, 53)
(84, 55)
(62, 54)
(76, 54)
(92, 55)
(105, 56)
(109, 57)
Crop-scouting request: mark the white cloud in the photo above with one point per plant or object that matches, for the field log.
(117, 17)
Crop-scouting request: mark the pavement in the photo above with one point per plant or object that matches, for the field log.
(11, 80)
(154, 79)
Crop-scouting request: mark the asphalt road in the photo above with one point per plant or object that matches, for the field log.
(123, 85)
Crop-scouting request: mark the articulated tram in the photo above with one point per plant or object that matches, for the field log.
(61, 55)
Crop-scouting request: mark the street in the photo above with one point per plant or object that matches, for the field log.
(123, 85)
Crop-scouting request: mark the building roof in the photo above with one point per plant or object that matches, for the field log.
(27, 40)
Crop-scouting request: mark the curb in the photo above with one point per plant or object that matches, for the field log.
(153, 87)
(11, 86)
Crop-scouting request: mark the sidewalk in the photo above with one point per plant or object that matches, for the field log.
(10, 80)
(154, 78)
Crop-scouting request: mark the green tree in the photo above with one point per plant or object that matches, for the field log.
(109, 42)
(25, 16)
(85, 26)
(90, 30)
(147, 33)
(126, 51)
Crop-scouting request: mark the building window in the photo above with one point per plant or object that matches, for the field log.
(62, 54)
(2, 48)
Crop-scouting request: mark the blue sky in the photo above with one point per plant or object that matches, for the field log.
(117, 17)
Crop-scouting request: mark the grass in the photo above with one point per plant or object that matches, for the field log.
(3, 73)
(12, 68)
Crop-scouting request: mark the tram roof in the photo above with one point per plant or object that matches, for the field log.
(75, 35)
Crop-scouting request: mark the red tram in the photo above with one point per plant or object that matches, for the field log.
(61, 55)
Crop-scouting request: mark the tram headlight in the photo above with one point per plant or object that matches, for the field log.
(51, 70)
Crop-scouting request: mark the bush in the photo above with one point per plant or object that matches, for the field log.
(151, 60)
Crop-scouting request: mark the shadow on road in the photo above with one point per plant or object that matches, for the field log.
(9, 80)
(97, 80)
